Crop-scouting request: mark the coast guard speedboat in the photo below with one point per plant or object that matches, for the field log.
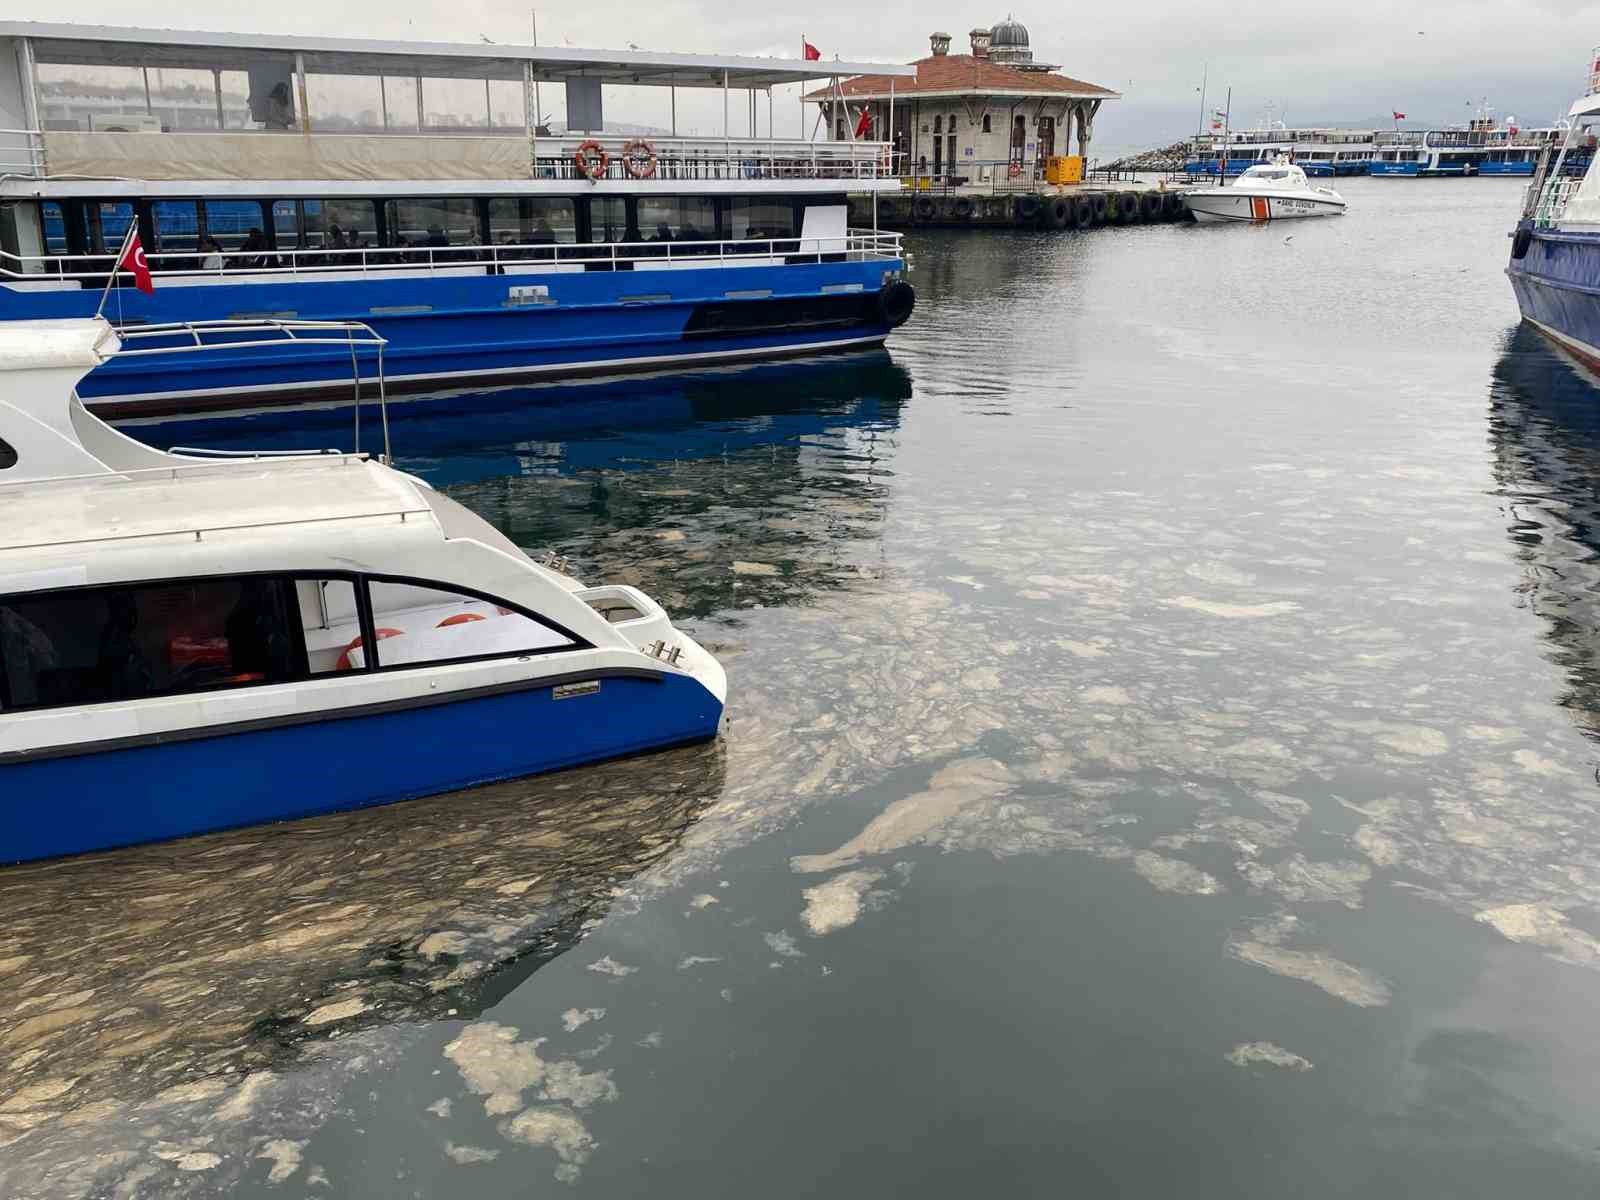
(1269, 192)
(192, 643)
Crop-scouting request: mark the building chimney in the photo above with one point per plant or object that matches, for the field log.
(940, 43)
(980, 43)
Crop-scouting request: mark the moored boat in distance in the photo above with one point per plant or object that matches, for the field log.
(1555, 248)
(1270, 192)
(190, 643)
(1319, 152)
(480, 246)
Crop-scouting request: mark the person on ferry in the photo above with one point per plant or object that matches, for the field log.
(212, 250)
(255, 244)
(280, 113)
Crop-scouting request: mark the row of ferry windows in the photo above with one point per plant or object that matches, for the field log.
(179, 226)
(96, 645)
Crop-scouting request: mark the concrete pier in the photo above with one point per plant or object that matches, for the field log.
(1074, 206)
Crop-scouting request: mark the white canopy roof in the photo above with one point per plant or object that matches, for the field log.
(131, 46)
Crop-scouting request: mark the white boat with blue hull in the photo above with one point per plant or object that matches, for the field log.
(478, 247)
(192, 643)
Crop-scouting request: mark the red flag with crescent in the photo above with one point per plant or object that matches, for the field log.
(811, 52)
(133, 259)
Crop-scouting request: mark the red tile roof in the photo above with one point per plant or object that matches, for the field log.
(964, 73)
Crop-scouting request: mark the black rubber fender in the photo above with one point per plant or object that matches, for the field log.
(896, 302)
(923, 208)
(1172, 206)
(1102, 208)
(1059, 213)
(1150, 206)
(1520, 241)
(1082, 213)
(1127, 207)
(964, 208)
(1027, 208)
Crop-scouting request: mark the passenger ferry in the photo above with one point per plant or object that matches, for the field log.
(412, 186)
(190, 643)
(1322, 153)
(1555, 248)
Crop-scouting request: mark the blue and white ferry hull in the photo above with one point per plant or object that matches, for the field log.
(465, 328)
(1557, 284)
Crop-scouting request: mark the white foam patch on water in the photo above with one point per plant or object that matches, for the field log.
(494, 1064)
(1106, 694)
(441, 1107)
(838, 902)
(783, 943)
(610, 966)
(559, 1130)
(1175, 876)
(1249, 1054)
(704, 900)
(1264, 948)
(468, 1155)
(1233, 612)
(1298, 879)
(576, 1018)
(284, 1156)
(1546, 927)
(690, 961)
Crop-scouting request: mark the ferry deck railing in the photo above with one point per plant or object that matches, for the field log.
(1547, 200)
(519, 259)
(22, 153)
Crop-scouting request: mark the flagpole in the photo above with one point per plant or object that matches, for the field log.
(105, 293)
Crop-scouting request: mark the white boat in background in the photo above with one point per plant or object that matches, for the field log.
(1270, 192)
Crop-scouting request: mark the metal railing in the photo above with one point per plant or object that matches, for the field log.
(22, 153)
(1546, 201)
(527, 258)
(716, 158)
(189, 337)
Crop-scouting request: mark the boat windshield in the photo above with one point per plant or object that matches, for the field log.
(1284, 175)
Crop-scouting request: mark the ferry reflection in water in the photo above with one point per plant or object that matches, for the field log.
(164, 999)
(1545, 424)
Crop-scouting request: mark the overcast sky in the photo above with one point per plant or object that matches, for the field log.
(1357, 59)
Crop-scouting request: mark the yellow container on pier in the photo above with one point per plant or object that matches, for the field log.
(1064, 168)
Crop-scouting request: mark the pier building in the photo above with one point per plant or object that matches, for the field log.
(996, 114)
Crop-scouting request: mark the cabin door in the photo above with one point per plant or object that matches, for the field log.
(1047, 137)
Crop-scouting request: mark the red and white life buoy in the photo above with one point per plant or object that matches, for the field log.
(591, 160)
(344, 663)
(639, 159)
(1014, 170)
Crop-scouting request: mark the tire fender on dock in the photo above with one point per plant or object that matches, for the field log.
(1027, 208)
(1102, 207)
(1172, 206)
(964, 208)
(1059, 213)
(1082, 213)
(1150, 206)
(1127, 207)
(923, 208)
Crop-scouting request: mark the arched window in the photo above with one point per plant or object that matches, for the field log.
(938, 125)
(986, 127)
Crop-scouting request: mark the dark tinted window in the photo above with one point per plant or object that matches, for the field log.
(8, 455)
(93, 645)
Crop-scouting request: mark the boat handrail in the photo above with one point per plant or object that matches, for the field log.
(236, 333)
(859, 244)
(22, 153)
(225, 460)
(198, 532)
(1546, 200)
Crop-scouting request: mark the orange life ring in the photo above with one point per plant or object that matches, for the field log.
(344, 663)
(591, 160)
(639, 159)
(462, 618)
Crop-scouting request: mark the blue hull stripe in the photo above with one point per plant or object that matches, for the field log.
(459, 325)
(150, 792)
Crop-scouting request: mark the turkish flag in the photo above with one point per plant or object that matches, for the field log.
(1399, 116)
(811, 52)
(133, 260)
(864, 125)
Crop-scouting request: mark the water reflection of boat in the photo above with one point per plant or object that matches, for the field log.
(1545, 424)
(260, 981)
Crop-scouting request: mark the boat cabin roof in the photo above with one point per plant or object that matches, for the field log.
(115, 45)
(1286, 174)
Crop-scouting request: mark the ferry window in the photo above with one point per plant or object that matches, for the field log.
(331, 621)
(452, 222)
(532, 222)
(608, 220)
(55, 227)
(417, 624)
(109, 221)
(677, 218)
(177, 225)
(94, 645)
(230, 221)
(353, 222)
(760, 219)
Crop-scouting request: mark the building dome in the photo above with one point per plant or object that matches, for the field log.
(1009, 35)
